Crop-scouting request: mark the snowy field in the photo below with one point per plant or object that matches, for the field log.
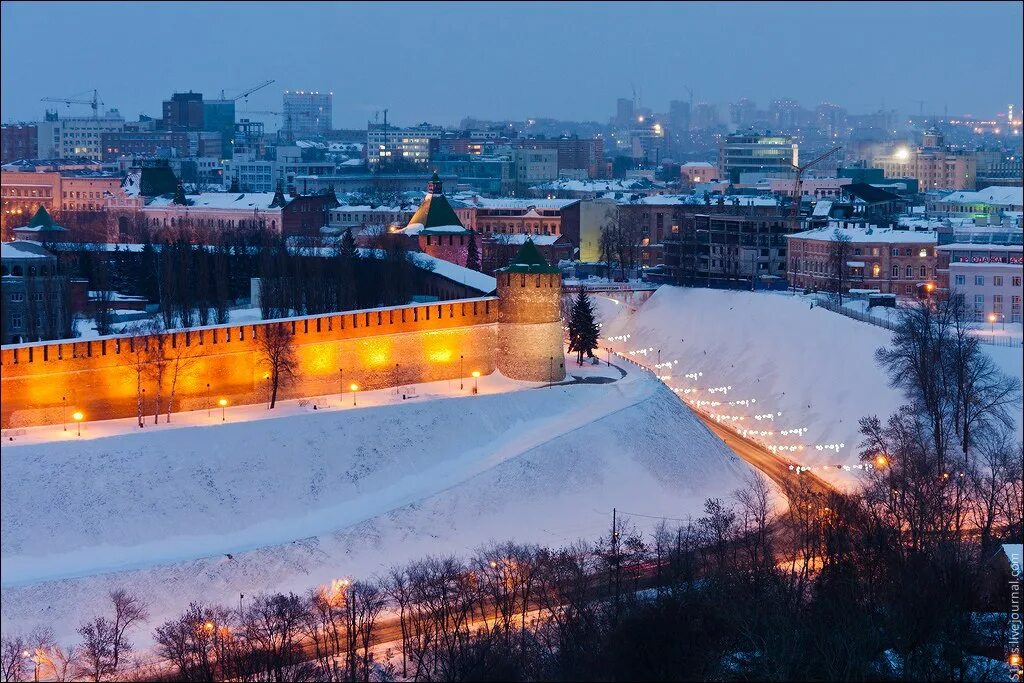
(204, 510)
(804, 369)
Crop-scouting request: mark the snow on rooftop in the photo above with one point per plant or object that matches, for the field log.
(512, 203)
(868, 234)
(23, 249)
(456, 273)
(220, 200)
(1009, 196)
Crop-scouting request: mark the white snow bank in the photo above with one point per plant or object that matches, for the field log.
(399, 482)
(813, 366)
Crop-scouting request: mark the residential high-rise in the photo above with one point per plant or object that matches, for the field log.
(624, 111)
(184, 112)
(743, 113)
(307, 113)
(219, 117)
(679, 116)
(78, 136)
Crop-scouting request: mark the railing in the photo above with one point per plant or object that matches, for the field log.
(891, 325)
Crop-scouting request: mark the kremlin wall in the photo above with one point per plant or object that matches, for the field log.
(518, 333)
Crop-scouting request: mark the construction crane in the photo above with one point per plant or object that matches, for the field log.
(94, 102)
(798, 184)
(248, 92)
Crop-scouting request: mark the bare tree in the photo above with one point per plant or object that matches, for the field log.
(278, 352)
(839, 252)
(12, 659)
(98, 635)
(128, 610)
(63, 662)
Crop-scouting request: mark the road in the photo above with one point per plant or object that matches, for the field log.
(775, 467)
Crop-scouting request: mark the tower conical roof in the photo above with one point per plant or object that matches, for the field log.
(529, 260)
(435, 214)
(41, 224)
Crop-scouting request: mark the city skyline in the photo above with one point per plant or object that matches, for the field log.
(368, 74)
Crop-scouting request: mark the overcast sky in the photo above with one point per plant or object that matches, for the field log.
(438, 62)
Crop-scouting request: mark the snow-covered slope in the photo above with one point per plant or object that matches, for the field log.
(813, 366)
(297, 501)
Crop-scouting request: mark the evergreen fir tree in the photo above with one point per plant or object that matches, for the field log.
(179, 195)
(583, 329)
(347, 255)
(472, 255)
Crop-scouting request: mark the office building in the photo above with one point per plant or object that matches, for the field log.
(307, 113)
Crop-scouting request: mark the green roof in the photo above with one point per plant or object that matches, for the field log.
(435, 211)
(42, 222)
(529, 260)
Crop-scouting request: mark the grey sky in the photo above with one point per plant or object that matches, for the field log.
(435, 61)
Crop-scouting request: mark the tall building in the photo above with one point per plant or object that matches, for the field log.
(19, 141)
(785, 114)
(184, 111)
(679, 116)
(219, 117)
(78, 136)
(752, 152)
(935, 166)
(831, 119)
(705, 115)
(387, 144)
(742, 114)
(308, 113)
(624, 111)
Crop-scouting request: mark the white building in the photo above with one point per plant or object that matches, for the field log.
(78, 136)
(389, 143)
(535, 165)
(989, 276)
(992, 201)
(212, 212)
(809, 187)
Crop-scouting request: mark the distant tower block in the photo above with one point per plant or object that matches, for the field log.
(530, 318)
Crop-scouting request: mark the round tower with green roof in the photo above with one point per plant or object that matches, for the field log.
(530, 318)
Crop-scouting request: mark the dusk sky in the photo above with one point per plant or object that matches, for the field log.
(440, 61)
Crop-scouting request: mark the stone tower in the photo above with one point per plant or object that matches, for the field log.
(530, 318)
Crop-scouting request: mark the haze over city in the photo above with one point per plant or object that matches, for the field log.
(556, 341)
(441, 61)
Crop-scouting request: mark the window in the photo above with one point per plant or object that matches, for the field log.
(923, 271)
(923, 253)
(876, 270)
(895, 271)
(979, 302)
(1016, 281)
(910, 271)
(17, 321)
(17, 296)
(979, 280)
(997, 303)
(997, 280)
(961, 279)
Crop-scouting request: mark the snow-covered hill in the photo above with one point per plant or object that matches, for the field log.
(813, 366)
(296, 501)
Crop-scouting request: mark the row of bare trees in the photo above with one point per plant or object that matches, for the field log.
(830, 589)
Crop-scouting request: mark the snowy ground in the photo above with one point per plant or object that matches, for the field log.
(1000, 332)
(796, 368)
(204, 510)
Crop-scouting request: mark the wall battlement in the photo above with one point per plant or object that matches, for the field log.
(376, 348)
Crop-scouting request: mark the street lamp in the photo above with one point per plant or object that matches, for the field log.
(64, 412)
(35, 660)
(341, 386)
(461, 372)
(354, 388)
(223, 404)
(207, 399)
(476, 377)
(992, 321)
(267, 377)
(78, 418)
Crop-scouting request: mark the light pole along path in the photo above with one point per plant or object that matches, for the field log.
(774, 466)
